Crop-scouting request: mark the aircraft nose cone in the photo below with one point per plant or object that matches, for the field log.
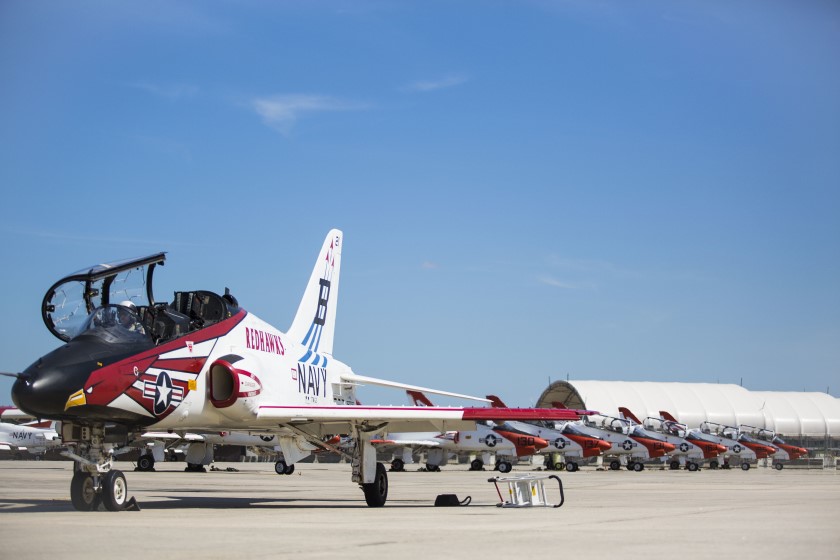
(40, 393)
(604, 445)
(669, 447)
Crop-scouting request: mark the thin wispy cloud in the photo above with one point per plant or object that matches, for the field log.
(281, 112)
(429, 265)
(173, 92)
(555, 283)
(434, 85)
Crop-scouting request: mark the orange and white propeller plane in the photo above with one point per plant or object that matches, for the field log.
(202, 363)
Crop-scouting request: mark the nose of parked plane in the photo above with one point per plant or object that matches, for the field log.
(604, 445)
(669, 447)
(44, 388)
(41, 391)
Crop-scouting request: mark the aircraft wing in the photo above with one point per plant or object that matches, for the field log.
(404, 443)
(323, 420)
(14, 414)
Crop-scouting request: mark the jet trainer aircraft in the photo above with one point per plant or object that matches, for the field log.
(564, 439)
(691, 447)
(35, 437)
(785, 451)
(203, 363)
(487, 439)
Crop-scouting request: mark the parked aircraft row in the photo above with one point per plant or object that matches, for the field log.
(130, 366)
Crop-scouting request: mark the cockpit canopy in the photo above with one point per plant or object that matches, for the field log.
(115, 301)
(114, 323)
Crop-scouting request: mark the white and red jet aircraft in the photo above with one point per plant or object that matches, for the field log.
(564, 439)
(34, 437)
(631, 444)
(786, 451)
(486, 440)
(691, 447)
(203, 363)
(737, 444)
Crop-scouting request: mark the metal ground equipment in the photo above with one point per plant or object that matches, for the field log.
(527, 490)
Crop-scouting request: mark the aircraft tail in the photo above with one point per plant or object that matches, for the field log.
(314, 323)
(418, 398)
(496, 402)
(667, 416)
(627, 415)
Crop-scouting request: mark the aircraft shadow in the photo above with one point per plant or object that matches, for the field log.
(211, 502)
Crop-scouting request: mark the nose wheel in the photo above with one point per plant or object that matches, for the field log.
(83, 492)
(88, 491)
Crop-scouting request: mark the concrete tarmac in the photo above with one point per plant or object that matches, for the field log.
(318, 512)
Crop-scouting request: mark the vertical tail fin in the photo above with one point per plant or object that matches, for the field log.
(314, 323)
(496, 402)
(667, 416)
(418, 398)
(627, 415)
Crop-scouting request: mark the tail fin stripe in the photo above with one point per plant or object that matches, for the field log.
(317, 339)
(308, 334)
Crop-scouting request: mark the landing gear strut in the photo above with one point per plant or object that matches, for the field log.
(94, 480)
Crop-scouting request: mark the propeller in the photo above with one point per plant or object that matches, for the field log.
(15, 375)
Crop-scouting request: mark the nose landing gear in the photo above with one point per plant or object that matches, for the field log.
(94, 481)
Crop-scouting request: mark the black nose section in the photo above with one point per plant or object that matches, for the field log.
(42, 389)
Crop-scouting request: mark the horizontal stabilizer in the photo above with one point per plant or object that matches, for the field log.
(363, 380)
(496, 414)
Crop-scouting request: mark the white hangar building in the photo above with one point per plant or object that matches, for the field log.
(811, 419)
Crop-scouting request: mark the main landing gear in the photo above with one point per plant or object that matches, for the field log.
(94, 481)
(376, 492)
(280, 467)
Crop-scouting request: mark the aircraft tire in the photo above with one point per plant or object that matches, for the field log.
(504, 467)
(562, 467)
(376, 492)
(146, 463)
(713, 465)
(289, 469)
(280, 467)
(114, 490)
(674, 465)
(83, 493)
(571, 466)
(615, 465)
(745, 466)
(692, 467)
(476, 465)
(398, 465)
(778, 466)
(638, 467)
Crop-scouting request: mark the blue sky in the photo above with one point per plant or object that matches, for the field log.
(643, 191)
